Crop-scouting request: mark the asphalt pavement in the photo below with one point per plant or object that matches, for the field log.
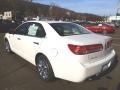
(18, 74)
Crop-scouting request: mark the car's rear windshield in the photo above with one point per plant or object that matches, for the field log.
(68, 29)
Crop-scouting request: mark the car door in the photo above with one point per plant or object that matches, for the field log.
(32, 41)
(15, 38)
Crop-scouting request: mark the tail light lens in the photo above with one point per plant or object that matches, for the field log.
(109, 44)
(86, 49)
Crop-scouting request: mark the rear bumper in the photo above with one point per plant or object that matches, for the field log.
(77, 72)
(100, 66)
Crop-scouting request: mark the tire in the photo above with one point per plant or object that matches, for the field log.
(7, 47)
(104, 32)
(44, 68)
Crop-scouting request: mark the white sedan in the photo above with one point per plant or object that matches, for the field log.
(61, 49)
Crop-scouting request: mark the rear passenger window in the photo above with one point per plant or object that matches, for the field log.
(36, 30)
(32, 30)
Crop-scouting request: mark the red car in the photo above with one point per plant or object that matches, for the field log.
(95, 27)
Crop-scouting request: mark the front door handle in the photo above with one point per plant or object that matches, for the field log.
(36, 43)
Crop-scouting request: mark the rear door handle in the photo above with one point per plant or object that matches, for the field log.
(18, 38)
(36, 43)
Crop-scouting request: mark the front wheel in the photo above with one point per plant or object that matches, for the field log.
(44, 68)
(7, 47)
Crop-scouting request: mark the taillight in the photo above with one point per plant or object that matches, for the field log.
(85, 49)
(108, 44)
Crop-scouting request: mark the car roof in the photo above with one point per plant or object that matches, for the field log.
(48, 21)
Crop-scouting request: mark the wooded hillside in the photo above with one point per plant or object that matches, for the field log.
(24, 8)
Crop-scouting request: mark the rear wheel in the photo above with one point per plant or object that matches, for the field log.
(104, 32)
(7, 47)
(44, 68)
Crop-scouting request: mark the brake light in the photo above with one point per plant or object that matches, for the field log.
(109, 44)
(85, 49)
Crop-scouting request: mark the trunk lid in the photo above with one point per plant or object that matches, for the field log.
(90, 39)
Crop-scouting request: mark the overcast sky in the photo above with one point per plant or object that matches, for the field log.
(99, 7)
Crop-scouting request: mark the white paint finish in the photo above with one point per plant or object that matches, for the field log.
(65, 64)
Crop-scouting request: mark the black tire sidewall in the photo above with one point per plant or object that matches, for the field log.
(7, 43)
(104, 32)
(49, 69)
